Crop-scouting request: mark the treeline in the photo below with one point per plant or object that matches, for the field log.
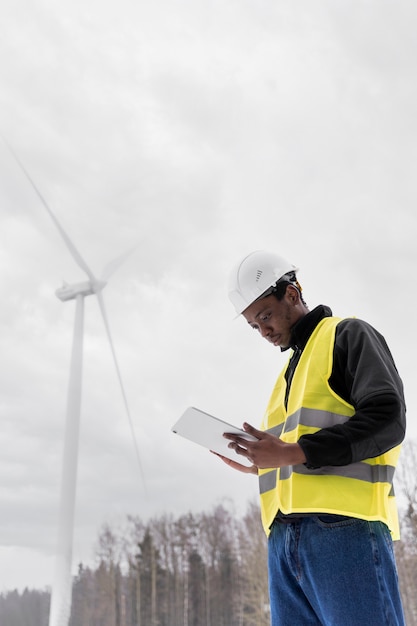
(206, 569)
(30, 608)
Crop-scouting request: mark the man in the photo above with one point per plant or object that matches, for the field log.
(325, 456)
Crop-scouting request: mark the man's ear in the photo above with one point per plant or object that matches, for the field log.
(292, 294)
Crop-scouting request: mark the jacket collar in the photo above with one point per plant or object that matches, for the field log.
(301, 331)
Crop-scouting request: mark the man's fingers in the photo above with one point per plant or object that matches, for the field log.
(235, 465)
(251, 430)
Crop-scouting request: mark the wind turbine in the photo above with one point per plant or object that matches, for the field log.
(62, 584)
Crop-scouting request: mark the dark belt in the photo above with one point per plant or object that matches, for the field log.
(292, 518)
(281, 518)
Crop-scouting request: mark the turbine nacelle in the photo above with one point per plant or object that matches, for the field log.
(87, 288)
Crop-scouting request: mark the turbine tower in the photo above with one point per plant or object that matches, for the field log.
(62, 583)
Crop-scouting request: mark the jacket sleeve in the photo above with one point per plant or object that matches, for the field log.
(364, 374)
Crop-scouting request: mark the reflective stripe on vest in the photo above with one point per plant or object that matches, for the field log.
(359, 471)
(308, 417)
(362, 489)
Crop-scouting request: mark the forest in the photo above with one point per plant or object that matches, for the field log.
(198, 569)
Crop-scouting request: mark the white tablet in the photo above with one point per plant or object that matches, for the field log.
(207, 431)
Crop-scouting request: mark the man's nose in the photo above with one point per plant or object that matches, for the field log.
(264, 330)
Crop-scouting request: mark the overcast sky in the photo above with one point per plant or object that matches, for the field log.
(199, 131)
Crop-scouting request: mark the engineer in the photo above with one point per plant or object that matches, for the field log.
(325, 455)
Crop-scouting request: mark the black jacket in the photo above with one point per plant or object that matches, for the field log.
(364, 374)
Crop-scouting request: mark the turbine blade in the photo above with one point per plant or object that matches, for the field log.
(119, 376)
(73, 250)
(114, 265)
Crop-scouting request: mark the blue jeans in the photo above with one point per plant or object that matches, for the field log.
(327, 570)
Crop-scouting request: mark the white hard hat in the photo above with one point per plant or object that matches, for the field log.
(254, 275)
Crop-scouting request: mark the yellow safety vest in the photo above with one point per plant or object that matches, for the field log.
(362, 489)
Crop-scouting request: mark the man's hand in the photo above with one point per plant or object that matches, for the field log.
(267, 451)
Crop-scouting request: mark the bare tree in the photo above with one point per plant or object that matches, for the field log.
(109, 553)
(406, 549)
(254, 600)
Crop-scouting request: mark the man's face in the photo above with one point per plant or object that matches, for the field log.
(274, 318)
